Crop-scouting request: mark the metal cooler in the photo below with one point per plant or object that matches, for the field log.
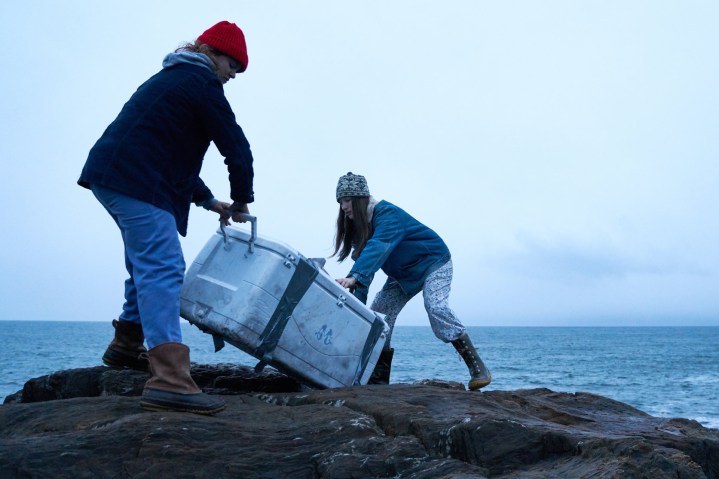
(265, 298)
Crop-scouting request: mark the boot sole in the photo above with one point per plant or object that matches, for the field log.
(159, 400)
(148, 406)
(474, 385)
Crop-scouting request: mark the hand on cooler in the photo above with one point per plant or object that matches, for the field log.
(348, 283)
(237, 210)
(222, 208)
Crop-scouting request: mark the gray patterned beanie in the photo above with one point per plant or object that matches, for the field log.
(352, 185)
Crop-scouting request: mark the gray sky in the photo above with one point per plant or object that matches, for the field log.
(566, 151)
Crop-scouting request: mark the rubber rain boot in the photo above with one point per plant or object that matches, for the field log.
(126, 350)
(171, 388)
(480, 375)
(381, 372)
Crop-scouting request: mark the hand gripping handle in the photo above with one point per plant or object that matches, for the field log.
(253, 235)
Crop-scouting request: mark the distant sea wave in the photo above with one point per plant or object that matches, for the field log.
(663, 371)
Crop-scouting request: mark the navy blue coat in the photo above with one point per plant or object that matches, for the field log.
(405, 249)
(153, 150)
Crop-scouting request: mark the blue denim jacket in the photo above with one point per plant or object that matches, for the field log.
(406, 250)
(153, 150)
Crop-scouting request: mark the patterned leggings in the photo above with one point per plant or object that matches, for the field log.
(391, 299)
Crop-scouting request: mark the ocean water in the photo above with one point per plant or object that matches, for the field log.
(664, 371)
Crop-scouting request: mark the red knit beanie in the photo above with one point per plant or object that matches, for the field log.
(227, 38)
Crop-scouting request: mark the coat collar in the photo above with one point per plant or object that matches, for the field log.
(370, 208)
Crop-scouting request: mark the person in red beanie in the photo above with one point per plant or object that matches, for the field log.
(145, 171)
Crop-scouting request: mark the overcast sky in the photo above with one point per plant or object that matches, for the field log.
(566, 151)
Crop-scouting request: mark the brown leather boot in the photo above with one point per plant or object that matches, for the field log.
(126, 350)
(479, 372)
(380, 375)
(171, 387)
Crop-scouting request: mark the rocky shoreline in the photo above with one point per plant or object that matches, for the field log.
(88, 423)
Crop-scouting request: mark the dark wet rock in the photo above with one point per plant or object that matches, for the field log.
(104, 381)
(86, 423)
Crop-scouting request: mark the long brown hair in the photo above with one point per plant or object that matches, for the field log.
(355, 232)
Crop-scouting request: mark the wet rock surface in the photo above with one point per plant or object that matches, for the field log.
(88, 423)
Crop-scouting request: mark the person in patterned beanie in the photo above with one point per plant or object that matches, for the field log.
(379, 235)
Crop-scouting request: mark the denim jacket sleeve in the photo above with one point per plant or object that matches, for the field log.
(388, 233)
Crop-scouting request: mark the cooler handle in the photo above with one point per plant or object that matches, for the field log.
(253, 235)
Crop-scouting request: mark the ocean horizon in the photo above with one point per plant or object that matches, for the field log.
(663, 371)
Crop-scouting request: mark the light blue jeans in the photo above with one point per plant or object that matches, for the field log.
(154, 260)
